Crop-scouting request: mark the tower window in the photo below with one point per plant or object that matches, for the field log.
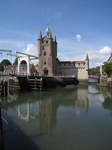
(44, 63)
(43, 47)
(44, 53)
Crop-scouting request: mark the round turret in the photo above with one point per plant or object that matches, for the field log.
(87, 62)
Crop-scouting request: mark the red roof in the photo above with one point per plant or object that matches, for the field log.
(72, 62)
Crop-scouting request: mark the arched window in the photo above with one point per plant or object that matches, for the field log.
(44, 53)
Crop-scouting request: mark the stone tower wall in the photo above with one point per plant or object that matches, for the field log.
(47, 53)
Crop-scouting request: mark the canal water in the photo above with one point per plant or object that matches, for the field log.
(79, 118)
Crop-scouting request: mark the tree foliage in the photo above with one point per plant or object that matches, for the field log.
(16, 61)
(23, 62)
(4, 63)
(94, 70)
(108, 68)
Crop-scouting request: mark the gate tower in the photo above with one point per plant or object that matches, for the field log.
(47, 53)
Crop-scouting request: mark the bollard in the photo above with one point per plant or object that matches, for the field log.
(41, 84)
(2, 86)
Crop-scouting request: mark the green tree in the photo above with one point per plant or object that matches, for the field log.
(94, 70)
(108, 68)
(23, 62)
(16, 61)
(4, 62)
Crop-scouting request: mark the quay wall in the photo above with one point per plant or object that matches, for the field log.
(40, 82)
(51, 82)
(48, 82)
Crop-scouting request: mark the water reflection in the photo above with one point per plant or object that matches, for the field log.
(107, 94)
(61, 115)
(47, 103)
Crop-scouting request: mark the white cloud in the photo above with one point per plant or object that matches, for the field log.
(98, 57)
(78, 36)
(32, 50)
(105, 50)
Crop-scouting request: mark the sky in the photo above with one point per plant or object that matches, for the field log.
(81, 27)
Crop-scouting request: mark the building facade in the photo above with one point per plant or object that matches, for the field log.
(50, 65)
(13, 70)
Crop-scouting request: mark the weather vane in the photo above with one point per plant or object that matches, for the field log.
(48, 23)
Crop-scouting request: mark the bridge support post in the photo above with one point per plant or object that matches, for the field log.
(27, 59)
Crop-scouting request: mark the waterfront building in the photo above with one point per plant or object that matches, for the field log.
(50, 65)
(13, 69)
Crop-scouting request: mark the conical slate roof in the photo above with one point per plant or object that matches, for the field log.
(54, 38)
(40, 36)
(87, 58)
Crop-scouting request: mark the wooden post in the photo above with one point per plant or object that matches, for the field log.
(5, 88)
(41, 84)
(2, 88)
(8, 87)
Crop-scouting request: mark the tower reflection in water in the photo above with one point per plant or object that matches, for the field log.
(42, 106)
(62, 115)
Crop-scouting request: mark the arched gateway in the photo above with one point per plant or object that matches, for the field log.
(27, 58)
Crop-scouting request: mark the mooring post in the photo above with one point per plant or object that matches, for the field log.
(5, 88)
(8, 86)
(2, 87)
(41, 84)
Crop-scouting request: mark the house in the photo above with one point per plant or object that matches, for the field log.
(13, 69)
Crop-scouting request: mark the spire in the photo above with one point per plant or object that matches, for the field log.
(48, 32)
(50, 35)
(55, 38)
(48, 23)
(40, 36)
(87, 58)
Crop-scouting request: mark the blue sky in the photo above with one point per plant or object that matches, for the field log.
(81, 27)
